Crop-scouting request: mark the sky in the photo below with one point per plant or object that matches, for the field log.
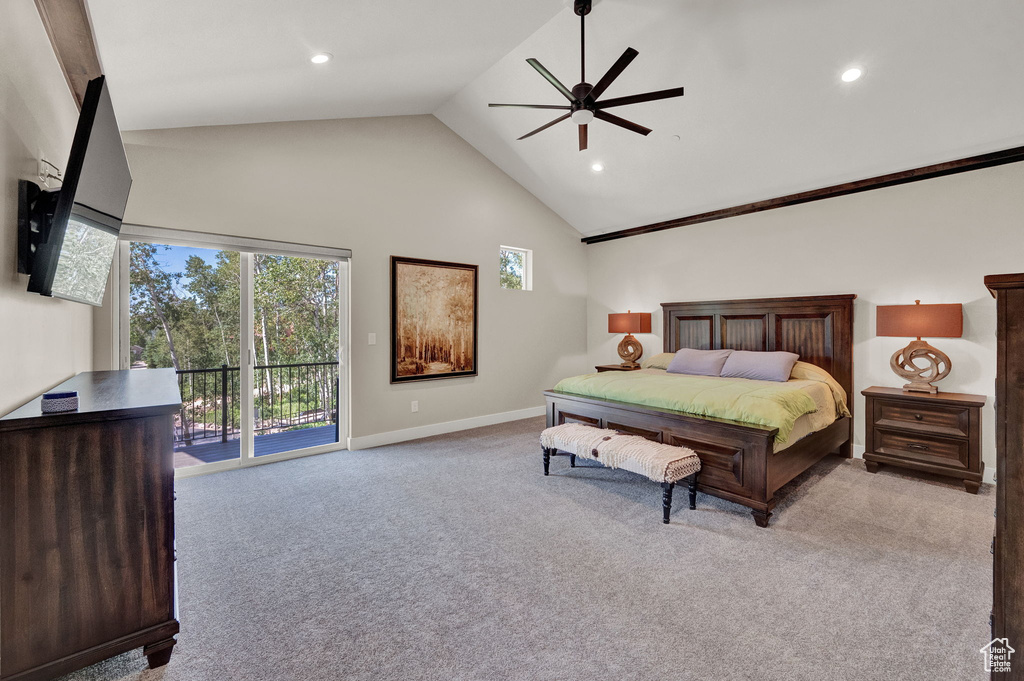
(173, 258)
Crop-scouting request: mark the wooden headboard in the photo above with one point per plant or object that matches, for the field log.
(818, 328)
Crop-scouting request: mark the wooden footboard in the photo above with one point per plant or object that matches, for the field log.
(737, 459)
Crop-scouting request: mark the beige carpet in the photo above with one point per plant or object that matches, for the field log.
(454, 558)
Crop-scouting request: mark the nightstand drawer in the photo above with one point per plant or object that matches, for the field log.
(938, 451)
(936, 419)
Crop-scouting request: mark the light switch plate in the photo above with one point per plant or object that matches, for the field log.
(372, 339)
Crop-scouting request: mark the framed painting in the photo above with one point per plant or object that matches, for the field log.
(433, 319)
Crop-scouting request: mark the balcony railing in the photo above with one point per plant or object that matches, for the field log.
(285, 397)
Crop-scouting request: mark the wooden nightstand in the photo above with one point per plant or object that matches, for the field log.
(614, 367)
(938, 433)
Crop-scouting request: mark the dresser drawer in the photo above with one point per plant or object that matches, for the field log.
(937, 451)
(936, 419)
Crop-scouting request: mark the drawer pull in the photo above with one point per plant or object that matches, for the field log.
(918, 417)
(916, 445)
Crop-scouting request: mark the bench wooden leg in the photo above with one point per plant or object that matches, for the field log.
(547, 459)
(693, 490)
(666, 499)
(572, 461)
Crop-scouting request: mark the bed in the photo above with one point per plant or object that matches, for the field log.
(739, 460)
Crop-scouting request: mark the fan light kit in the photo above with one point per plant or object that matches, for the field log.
(321, 58)
(584, 99)
(597, 167)
(851, 75)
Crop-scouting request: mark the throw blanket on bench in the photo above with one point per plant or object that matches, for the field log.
(659, 462)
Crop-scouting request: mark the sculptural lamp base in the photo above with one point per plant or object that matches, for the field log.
(934, 366)
(630, 351)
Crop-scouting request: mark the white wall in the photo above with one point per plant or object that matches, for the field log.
(933, 240)
(43, 341)
(385, 186)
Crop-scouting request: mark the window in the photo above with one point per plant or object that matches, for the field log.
(254, 330)
(515, 266)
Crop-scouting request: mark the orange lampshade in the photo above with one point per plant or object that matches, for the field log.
(629, 322)
(920, 321)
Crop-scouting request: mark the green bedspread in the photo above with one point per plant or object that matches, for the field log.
(765, 403)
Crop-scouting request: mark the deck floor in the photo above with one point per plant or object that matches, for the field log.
(272, 443)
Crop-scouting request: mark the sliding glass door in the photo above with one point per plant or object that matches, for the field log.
(256, 340)
(295, 377)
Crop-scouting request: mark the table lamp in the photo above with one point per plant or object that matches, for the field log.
(915, 321)
(629, 323)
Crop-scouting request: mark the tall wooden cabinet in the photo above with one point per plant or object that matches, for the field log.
(1008, 550)
(87, 526)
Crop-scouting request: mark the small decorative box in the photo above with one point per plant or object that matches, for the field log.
(65, 401)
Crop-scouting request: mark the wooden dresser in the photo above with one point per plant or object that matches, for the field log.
(87, 526)
(1008, 549)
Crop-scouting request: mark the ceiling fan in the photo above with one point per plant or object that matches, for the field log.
(584, 103)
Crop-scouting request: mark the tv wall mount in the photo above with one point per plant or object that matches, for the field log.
(35, 215)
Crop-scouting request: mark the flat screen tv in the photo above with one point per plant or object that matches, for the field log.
(67, 237)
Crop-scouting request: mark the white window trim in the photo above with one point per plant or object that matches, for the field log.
(179, 237)
(527, 266)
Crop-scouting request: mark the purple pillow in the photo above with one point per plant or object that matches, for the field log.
(698, 362)
(760, 366)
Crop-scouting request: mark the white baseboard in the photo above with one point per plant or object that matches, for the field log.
(391, 437)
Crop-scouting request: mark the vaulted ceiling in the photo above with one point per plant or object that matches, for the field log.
(765, 112)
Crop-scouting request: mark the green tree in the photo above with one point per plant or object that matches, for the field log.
(154, 302)
(215, 289)
(511, 266)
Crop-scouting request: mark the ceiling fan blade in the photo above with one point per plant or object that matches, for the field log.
(535, 106)
(551, 79)
(618, 67)
(545, 126)
(621, 122)
(583, 137)
(636, 99)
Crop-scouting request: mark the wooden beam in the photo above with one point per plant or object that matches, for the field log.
(67, 24)
(925, 173)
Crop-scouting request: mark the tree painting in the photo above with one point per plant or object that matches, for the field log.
(433, 319)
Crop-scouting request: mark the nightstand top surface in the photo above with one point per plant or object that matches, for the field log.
(962, 399)
(615, 367)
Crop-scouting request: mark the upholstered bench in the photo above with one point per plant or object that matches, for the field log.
(661, 463)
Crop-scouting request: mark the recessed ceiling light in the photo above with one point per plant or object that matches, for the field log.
(597, 167)
(321, 58)
(850, 75)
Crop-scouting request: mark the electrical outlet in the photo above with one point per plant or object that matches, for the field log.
(47, 171)
(372, 340)
(415, 406)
